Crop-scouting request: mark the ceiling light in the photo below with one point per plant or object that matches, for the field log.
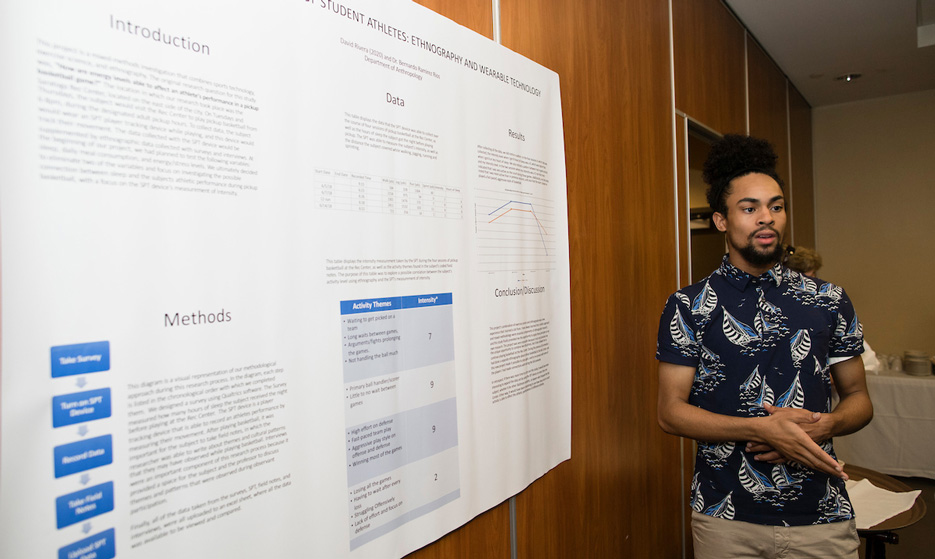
(847, 77)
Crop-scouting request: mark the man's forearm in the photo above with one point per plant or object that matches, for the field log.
(784, 432)
(854, 409)
(852, 413)
(686, 420)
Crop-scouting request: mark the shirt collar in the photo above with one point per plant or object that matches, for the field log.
(740, 279)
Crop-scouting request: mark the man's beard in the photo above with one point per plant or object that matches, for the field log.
(758, 258)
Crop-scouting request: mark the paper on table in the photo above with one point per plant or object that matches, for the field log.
(873, 505)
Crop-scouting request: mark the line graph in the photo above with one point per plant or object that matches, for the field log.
(516, 206)
(514, 233)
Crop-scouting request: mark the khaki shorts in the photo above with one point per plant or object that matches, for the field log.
(716, 538)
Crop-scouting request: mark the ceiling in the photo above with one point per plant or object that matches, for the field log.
(814, 41)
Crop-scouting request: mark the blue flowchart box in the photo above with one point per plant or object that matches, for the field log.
(78, 359)
(83, 455)
(98, 546)
(84, 504)
(80, 407)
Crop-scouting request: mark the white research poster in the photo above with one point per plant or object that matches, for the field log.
(279, 279)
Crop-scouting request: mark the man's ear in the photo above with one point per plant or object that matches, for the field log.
(719, 221)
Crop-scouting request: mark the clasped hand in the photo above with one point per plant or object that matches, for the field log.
(792, 434)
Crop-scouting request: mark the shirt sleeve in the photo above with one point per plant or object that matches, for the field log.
(677, 341)
(848, 337)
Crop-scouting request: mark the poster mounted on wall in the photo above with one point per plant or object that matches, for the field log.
(278, 279)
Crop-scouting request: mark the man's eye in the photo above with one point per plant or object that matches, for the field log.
(747, 210)
(778, 208)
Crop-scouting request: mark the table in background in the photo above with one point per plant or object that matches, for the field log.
(899, 440)
(879, 535)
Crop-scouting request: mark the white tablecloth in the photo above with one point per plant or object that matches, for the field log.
(901, 438)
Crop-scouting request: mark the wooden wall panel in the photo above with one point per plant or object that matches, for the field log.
(710, 84)
(684, 251)
(767, 95)
(488, 535)
(682, 200)
(620, 495)
(803, 184)
(768, 111)
(476, 15)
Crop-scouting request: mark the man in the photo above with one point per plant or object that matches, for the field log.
(746, 358)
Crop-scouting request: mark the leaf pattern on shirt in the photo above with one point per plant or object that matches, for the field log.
(716, 454)
(783, 478)
(764, 397)
(706, 301)
(754, 481)
(737, 332)
(681, 333)
(833, 506)
(697, 502)
(800, 345)
(807, 285)
(753, 381)
(794, 396)
(830, 290)
(724, 509)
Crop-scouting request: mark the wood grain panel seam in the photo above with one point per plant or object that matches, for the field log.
(495, 20)
(789, 187)
(746, 77)
(675, 152)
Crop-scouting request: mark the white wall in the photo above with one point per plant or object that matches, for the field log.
(875, 211)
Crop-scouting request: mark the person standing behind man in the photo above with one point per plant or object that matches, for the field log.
(746, 358)
(804, 260)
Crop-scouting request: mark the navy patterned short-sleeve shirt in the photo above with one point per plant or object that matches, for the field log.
(756, 340)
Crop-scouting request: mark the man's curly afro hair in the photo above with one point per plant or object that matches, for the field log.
(735, 156)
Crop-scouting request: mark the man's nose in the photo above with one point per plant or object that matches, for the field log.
(765, 217)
